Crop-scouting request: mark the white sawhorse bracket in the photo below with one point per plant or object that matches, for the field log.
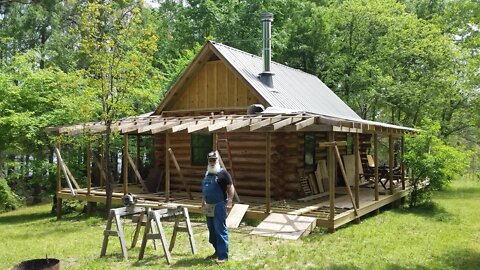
(155, 217)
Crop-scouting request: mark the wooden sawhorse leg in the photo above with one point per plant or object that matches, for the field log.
(155, 217)
(116, 214)
(187, 228)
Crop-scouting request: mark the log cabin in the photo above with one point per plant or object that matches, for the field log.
(289, 142)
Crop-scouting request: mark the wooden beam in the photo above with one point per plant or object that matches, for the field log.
(187, 188)
(223, 123)
(62, 166)
(184, 125)
(288, 121)
(402, 164)
(137, 173)
(103, 175)
(200, 124)
(168, 125)
(266, 122)
(244, 123)
(58, 176)
(89, 168)
(137, 159)
(125, 163)
(167, 167)
(344, 174)
(333, 143)
(331, 177)
(267, 171)
(305, 123)
(147, 128)
(390, 162)
(356, 152)
(375, 160)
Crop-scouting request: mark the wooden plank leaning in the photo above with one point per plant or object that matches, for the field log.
(187, 188)
(63, 167)
(342, 168)
(137, 173)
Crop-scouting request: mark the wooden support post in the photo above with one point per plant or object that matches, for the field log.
(402, 165)
(267, 171)
(356, 152)
(344, 174)
(58, 187)
(331, 180)
(175, 162)
(137, 173)
(64, 169)
(125, 163)
(167, 167)
(375, 160)
(89, 167)
(103, 180)
(137, 160)
(390, 162)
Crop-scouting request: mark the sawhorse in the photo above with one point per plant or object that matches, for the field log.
(116, 214)
(155, 216)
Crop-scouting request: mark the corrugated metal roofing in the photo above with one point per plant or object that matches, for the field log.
(292, 89)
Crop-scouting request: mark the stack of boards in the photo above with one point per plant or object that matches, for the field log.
(315, 182)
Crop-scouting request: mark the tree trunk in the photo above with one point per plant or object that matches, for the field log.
(1, 165)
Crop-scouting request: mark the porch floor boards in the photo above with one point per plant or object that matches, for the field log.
(317, 208)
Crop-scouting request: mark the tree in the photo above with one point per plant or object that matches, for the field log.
(433, 163)
(118, 48)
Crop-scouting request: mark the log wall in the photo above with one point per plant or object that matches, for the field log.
(248, 154)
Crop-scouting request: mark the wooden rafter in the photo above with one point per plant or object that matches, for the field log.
(265, 122)
(305, 123)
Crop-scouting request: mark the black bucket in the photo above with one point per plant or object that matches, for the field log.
(38, 264)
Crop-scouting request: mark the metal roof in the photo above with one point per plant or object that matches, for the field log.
(292, 88)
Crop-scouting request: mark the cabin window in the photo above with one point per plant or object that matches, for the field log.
(309, 150)
(201, 145)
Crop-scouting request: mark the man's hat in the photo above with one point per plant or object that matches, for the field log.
(212, 155)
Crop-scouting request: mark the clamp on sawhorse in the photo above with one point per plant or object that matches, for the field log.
(155, 216)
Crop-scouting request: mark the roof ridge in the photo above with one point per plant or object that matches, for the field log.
(251, 54)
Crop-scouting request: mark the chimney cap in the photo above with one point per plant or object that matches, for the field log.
(266, 16)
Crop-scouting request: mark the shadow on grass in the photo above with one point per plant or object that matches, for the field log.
(460, 192)
(461, 259)
(456, 259)
(429, 210)
(24, 218)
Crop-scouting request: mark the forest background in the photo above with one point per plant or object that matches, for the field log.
(405, 62)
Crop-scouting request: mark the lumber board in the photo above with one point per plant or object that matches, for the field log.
(285, 226)
(236, 215)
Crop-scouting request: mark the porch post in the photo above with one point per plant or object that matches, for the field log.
(167, 167)
(267, 172)
(402, 165)
(102, 163)
(390, 162)
(125, 163)
(331, 180)
(137, 160)
(89, 168)
(375, 160)
(356, 152)
(59, 184)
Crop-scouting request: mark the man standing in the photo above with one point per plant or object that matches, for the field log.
(218, 190)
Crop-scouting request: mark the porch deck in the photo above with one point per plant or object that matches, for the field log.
(318, 208)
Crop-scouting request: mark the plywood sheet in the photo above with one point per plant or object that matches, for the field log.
(349, 163)
(322, 165)
(236, 214)
(285, 226)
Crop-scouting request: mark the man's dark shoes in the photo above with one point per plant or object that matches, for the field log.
(218, 261)
(211, 257)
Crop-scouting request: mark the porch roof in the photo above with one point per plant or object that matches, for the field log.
(270, 120)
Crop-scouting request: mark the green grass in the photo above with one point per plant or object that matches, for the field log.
(443, 235)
